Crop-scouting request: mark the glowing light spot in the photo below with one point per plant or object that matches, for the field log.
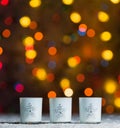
(67, 2)
(72, 62)
(51, 94)
(29, 47)
(33, 25)
(109, 109)
(88, 91)
(38, 36)
(78, 59)
(19, 87)
(52, 51)
(117, 102)
(6, 33)
(82, 27)
(1, 65)
(103, 101)
(91, 33)
(4, 2)
(41, 74)
(65, 83)
(31, 54)
(50, 77)
(1, 50)
(67, 39)
(68, 92)
(107, 55)
(110, 86)
(115, 1)
(25, 21)
(28, 41)
(34, 71)
(103, 16)
(80, 77)
(8, 20)
(75, 17)
(105, 36)
(35, 3)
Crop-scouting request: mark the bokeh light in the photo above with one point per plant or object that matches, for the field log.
(30, 54)
(75, 17)
(67, 39)
(1, 50)
(38, 36)
(8, 20)
(67, 2)
(41, 74)
(19, 87)
(88, 92)
(28, 41)
(117, 102)
(52, 51)
(52, 94)
(1, 65)
(4, 2)
(33, 25)
(25, 21)
(110, 86)
(103, 16)
(107, 55)
(115, 1)
(35, 3)
(110, 109)
(80, 78)
(50, 77)
(68, 92)
(91, 32)
(6, 33)
(105, 36)
(65, 83)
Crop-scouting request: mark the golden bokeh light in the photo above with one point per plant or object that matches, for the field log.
(67, 2)
(65, 83)
(30, 54)
(41, 74)
(35, 3)
(117, 102)
(28, 41)
(25, 21)
(105, 36)
(68, 92)
(103, 16)
(75, 17)
(107, 55)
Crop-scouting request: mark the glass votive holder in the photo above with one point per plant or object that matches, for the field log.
(30, 109)
(60, 109)
(90, 109)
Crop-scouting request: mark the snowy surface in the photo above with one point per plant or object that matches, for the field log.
(13, 121)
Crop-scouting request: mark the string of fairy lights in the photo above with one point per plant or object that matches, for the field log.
(82, 30)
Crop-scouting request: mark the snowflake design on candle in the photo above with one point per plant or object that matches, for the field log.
(90, 109)
(59, 111)
(29, 109)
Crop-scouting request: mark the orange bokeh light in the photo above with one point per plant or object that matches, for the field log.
(91, 33)
(33, 25)
(109, 109)
(80, 77)
(50, 77)
(88, 91)
(6, 33)
(51, 94)
(1, 50)
(52, 51)
(38, 36)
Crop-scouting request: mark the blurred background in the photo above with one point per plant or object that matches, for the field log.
(61, 48)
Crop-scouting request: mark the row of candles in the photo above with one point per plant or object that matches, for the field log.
(60, 109)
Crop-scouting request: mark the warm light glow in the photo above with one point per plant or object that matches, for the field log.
(1, 65)
(52, 51)
(75, 17)
(51, 94)
(88, 91)
(103, 101)
(105, 36)
(35, 3)
(115, 1)
(28, 41)
(38, 36)
(80, 77)
(82, 27)
(67, 2)
(31, 54)
(50, 77)
(72, 62)
(65, 83)
(6, 33)
(68, 92)
(19, 87)
(107, 55)
(1, 50)
(33, 25)
(25, 21)
(91, 33)
(110, 86)
(4, 2)
(103, 16)
(117, 102)
(41, 74)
